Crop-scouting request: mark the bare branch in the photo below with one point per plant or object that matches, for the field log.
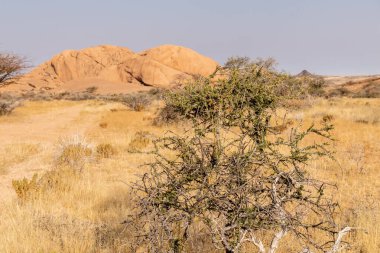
(258, 243)
(234, 174)
(276, 240)
(11, 67)
(336, 247)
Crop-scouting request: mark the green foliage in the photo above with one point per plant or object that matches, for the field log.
(223, 183)
(316, 86)
(235, 172)
(231, 98)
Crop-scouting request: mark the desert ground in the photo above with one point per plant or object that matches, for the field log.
(81, 212)
(77, 140)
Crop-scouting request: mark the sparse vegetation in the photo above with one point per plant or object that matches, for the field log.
(92, 89)
(140, 141)
(105, 150)
(168, 115)
(103, 124)
(71, 211)
(24, 188)
(57, 180)
(6, 107)
(8, 104)
(340, 92)
(234, 175)
(11, 67)
(74, 152)
(135, 101)
(15, 154)
(138, 102)
(84, 212)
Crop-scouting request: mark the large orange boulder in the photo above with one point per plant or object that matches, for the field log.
(74, 70)
(153, 73)
(182, 59)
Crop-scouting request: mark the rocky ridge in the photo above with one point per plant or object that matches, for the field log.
(114, 69)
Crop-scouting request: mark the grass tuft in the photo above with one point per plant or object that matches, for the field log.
(105, 150)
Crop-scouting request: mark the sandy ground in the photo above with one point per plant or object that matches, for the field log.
(341, 80)
(100, 195)
(40, 126)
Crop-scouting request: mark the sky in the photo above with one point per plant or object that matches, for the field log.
(331, 37)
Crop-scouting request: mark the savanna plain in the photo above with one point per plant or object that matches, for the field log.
(66, 167)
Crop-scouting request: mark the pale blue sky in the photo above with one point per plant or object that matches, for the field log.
(323, 36)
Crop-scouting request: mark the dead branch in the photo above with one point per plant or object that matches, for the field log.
(11, 67)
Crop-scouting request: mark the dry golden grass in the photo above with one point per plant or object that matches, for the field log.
(140, 141)
(82, 211)
(13, 154)
(105, 150)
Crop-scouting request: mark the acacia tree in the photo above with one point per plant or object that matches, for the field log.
(235, 173)
(11, 67)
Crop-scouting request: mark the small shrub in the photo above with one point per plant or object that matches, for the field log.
(339, 92)
(74, 96)
(156, 93)
(74, 152)
(233, 175)
(103, 124)
(58, 179)
(327, 118)
(362, 121)
(91, 89)
(6, 107)
(24, 188)
(139, 142)
(105, 150)
(167, 115)
(316, 87)
(137, 102)
(371, 90)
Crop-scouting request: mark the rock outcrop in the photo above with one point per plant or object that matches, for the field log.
(182, 59)
(162, 67)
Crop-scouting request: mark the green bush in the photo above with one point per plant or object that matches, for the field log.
(234, 173)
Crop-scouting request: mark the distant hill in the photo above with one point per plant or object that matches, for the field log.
(356, 86)
(305, 73)
(113, 69)
(353, 86)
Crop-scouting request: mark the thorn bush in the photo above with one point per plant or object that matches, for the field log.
(235, 172)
